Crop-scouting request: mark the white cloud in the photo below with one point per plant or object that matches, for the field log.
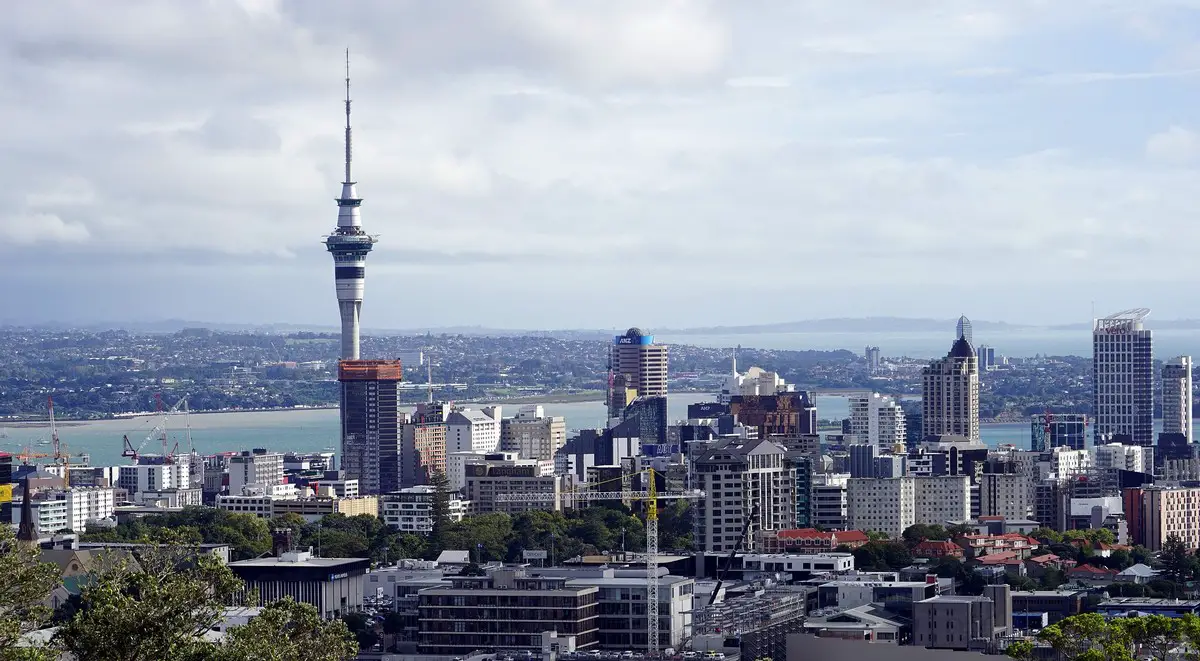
(1177, 145)
(534, 146)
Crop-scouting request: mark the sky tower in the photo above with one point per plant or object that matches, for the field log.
(349, 245)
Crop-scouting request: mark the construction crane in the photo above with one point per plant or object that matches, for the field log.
(651, 495)
(30, 454)
(159, 431)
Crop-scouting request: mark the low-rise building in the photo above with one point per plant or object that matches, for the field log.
(809, 540)
(506, 609)
(961, 622)
(334, 586)
(527, 484)
(315, 508)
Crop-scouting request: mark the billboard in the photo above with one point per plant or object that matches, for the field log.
(6, 493)
(643, 340)
(533, 554)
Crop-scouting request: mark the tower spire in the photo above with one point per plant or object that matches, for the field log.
(348, 179)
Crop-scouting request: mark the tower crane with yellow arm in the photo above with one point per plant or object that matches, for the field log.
(651, 495)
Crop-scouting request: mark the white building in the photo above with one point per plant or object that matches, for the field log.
(153, 477)
(1177, 396)
(1115, 455)
(255, 467)
(258, 504)
(1123, 378)
(1009, 495)
(410, 510)
(1065, 463)
(51, 513)
(532, 434)
(828, 500)
(891, 505)
(743, 480)
(469, 430)
(456, 468)
(877, 420)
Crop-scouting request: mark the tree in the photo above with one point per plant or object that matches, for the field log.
(439, 510)
(1175, 560)
(360, 626)
(1022, 650)
(1047, 535)
(1153, 635)
(156, 607)
(288, 631)
(393, 623)
(1088, 637)
(27, 581)
(915, 534)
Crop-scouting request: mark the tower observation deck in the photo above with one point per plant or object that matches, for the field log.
(349, 245)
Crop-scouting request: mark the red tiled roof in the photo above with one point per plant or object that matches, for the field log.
(1001, 558)
(1043, 559)
(813, 533)
(1093, 570)
(935, 544)
(853, 536)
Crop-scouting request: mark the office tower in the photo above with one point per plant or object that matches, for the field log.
(471, 430)
(787, 414)
(743, 480)
(872, 356)
(1177, 396)
(1058, 430)
(877, 419)
(649, 416)
(349, 245)
(862, 460)
(371, 423)
(986, 356)
(532, 434)
(1122, 379)
(638, 365)
(950, 391)
(254, 467)
(963, 330)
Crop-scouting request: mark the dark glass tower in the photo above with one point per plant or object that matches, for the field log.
(371, 424)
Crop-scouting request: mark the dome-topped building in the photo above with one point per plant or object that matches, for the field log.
(963, 330)
(950, 390)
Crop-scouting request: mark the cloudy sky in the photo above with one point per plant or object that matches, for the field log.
(601, 163)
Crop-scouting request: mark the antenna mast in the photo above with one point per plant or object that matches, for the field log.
(429, 378)
(348, 179)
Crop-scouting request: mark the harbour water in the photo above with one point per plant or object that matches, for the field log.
(312, 430)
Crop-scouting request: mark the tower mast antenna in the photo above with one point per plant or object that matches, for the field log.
(348, 179)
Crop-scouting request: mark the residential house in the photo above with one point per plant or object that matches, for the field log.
(1038, 565)
(809, 540)
(1139, 573)
(981, 545)
(1092, 575)
(936, 548)
(1012, 562)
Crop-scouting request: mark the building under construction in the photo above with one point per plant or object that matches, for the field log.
(371, 423)
(753, 623)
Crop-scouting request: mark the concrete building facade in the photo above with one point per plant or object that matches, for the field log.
(1177, 396)
(744, 481)
(877, 420)
(532, 434)
(1122, 378)
(950, 394)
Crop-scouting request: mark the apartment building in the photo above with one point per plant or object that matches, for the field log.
(471, 430)
(877, 420)
(1009, 495)
(829, 504)
(1155, 513)
(1177, 396)
(506, 609)
(950, 394)
(410, 510)
(1124, 457)
(153, 477)
(890, 505)
(253, 467)
(621, 605)
(532, 434)
(1123, 378)
(502, 473)
(743, 481)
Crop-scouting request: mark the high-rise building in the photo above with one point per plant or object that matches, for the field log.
(1177, 396)
(532, 434)
(877, 420)
(349, 245)
(743, 481)
(1009, 495)
(950, 391)
(371, 423)
(871, 353)
(422, 450)
(1058, 430)
(788, 414)
(891, 505)
(1122, 379)
(986, 356)
(829, 500)
(638, 364)
(862, 460)
(473, 430)
(963, 330)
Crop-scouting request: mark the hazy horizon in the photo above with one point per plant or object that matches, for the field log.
(590, 164)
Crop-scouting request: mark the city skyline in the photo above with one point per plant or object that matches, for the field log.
(526, 160)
